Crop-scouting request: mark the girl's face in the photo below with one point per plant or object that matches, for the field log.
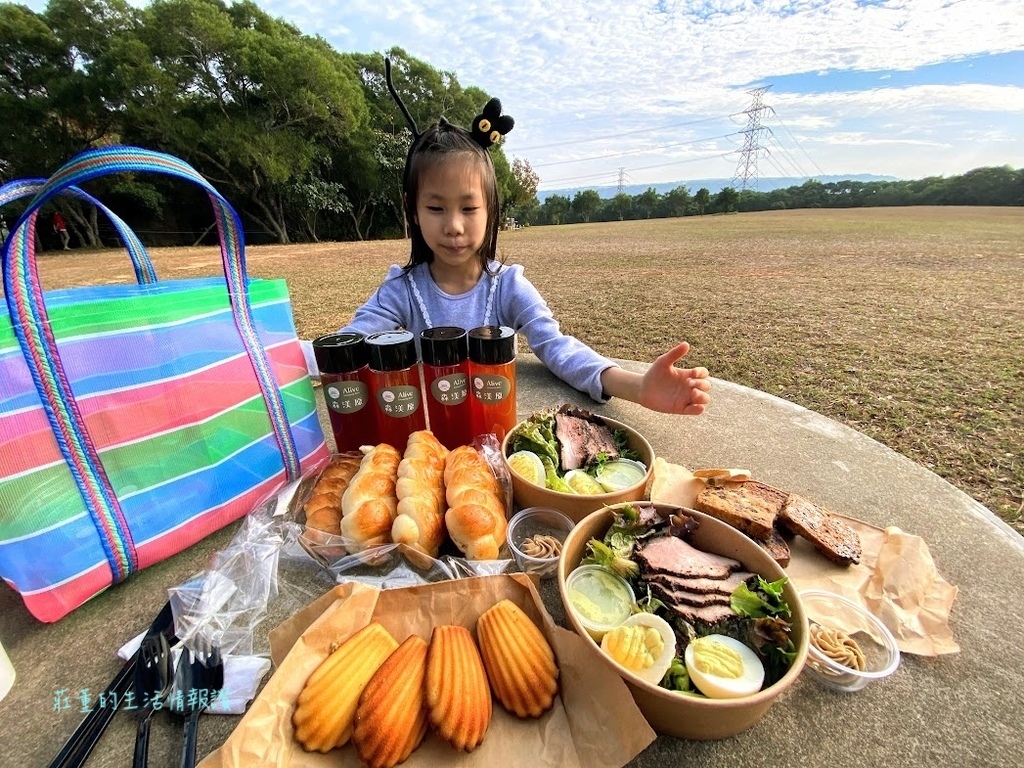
(451, 211)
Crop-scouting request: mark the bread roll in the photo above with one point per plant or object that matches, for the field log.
(476, 508)
(423, 445)
(323, 508)
(370, 504)
(519, 662)
(326, 707)
(421, 496)
(466, 469)
(457, 694)
(391, 718)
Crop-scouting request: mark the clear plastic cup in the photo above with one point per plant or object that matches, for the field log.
(592, 588)
(532, 522)
(881, 654)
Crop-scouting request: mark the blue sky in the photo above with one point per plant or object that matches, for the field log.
(656, 90)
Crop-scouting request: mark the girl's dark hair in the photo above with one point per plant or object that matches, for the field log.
(437, 145)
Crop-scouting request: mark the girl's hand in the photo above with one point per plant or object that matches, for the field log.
(668, 389)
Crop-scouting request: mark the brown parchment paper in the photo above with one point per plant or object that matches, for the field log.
(594, 721)
(896, 579)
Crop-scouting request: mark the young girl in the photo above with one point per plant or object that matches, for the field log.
(454, 279)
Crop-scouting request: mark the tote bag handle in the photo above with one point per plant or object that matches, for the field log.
(24, 295)
(144, 272)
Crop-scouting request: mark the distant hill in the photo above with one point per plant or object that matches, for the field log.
(764, 184)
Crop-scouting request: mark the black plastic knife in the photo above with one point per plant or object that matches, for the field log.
(79, 746)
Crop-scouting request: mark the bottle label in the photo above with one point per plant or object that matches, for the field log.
(490, 389)
(450, 390)
(399, 402)
(347, 396)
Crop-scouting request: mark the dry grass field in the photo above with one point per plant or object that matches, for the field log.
(904, 323)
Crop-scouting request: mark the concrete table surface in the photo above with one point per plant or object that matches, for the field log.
(963, 709)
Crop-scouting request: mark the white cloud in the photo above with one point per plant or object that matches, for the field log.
(576, 69)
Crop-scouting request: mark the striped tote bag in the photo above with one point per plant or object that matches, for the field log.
(137, 419)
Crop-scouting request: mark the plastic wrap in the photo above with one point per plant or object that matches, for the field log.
(275, 565)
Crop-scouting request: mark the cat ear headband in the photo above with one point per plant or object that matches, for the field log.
(488, 127)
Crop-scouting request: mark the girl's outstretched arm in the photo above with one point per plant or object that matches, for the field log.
(663, 387)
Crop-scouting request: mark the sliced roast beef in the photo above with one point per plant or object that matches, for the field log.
(672, 556)
(724, 586)
(705, 614)
(582, 437)
(686, 597)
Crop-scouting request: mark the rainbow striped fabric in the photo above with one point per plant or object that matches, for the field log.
(137, 419)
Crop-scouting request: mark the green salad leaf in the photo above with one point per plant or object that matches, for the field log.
(765, 600)
(607, 557)
(537, 434)
(552, 481)
(677, 678)
(622, 444)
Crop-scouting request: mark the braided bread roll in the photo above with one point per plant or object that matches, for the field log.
(370, 504)
(476, 510)
(323, 509)
(421, 497)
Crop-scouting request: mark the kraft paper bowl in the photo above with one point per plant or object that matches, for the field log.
(575, 505)
(677, 714)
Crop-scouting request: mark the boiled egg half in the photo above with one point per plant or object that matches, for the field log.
(723, 668)
(644, 644)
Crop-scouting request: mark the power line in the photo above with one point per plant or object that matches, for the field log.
(799, 145)
(640, 168)
(641, 151)
(623, 133)
(789, 157)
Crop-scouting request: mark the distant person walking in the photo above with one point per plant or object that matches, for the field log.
(60, 226)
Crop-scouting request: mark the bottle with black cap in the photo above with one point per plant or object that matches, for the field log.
(492, 374)
(341, 358)
(445, 353)
(395, 386)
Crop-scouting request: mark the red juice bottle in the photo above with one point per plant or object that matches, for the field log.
(445, 353)
(395, 387)
(492, 376)
(341, 358)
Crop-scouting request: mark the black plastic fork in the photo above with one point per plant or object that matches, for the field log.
(198, 679)
(154, 677)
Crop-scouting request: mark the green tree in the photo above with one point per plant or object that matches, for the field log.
(674, 202)
(249, 100)
(556, 208)
(727, 199)
(586, 203)
(646, 202)
(522, 188)
(702, 200)
(620, 207)
(60, 93)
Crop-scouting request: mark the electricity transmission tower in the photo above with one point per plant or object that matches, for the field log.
(746, 169)
(622, 180)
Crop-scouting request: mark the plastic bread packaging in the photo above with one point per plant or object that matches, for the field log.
(323, 508)
(477, 513)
